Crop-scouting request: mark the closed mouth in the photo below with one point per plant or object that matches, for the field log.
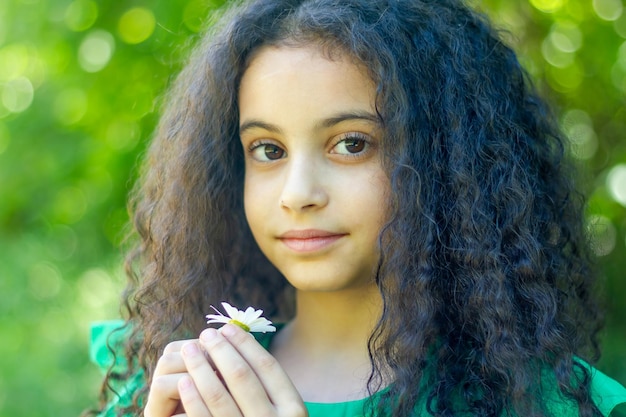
(309, 240)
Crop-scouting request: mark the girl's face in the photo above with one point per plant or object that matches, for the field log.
(315, 192)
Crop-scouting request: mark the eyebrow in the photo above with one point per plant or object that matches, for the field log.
(322, 124)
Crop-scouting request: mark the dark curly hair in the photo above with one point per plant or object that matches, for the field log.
(485, 275)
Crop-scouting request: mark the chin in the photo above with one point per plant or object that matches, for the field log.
(328, 285)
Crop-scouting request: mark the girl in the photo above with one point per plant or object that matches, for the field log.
(379, 177)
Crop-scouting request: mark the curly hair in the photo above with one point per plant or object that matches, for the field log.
(485, 275)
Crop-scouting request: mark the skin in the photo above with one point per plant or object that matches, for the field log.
(310, 137)
(314, 197)
(188, 383)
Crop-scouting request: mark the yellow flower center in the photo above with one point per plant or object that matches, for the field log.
(240, 324)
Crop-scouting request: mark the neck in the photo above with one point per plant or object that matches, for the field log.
(337, 320)
(324, 348)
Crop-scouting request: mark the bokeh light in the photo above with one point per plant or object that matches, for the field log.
(96, 288)
(193, 15)
(602, 233)
(616, 183)
(566, 36)
(560, 45)
(620, 25)
(565, 79)
(548, 6)
(13, 61)
(96, 50)
(577, 125)
(554, 55)
(17, 94)
(136, 25)
(80, 15)
(608, 9)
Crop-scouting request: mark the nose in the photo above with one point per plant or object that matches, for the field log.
(304, 186)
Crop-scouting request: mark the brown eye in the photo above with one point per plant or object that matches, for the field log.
(273, 152)
(265, 152)
(352, 144)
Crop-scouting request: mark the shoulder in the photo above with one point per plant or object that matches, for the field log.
(606, 394)
(107, 352)
(107, 343)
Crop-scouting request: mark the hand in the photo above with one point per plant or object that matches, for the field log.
(236, 377)
(164, 398)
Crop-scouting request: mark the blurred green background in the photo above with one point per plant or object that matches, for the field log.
(80, 82)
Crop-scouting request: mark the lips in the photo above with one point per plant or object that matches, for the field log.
(309, 240)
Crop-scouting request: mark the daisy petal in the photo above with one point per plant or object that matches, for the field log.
(249, 320)
(230, 310)
(252, 314)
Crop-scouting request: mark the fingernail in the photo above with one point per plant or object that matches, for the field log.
(191, 349)
(228, 330)
(208, 334)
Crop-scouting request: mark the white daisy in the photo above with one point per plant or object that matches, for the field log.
(249, 320)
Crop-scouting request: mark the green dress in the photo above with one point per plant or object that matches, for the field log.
(606, 392)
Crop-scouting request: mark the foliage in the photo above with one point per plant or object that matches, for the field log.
(80, 82)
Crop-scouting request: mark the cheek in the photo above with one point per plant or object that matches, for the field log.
(380, 194)
(249, 203)
(385, 192)
(377, 189)
(365, 203)
(258, 197)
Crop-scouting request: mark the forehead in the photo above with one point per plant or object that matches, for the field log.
(304, 75)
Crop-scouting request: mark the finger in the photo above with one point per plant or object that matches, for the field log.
(242, 382)
(192, 400)
(163, 398)
(176, 346)
(210, 388)
(277, 383)
(170, 363)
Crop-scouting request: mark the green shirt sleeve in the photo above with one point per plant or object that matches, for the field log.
(103, 335)
(606, 392)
